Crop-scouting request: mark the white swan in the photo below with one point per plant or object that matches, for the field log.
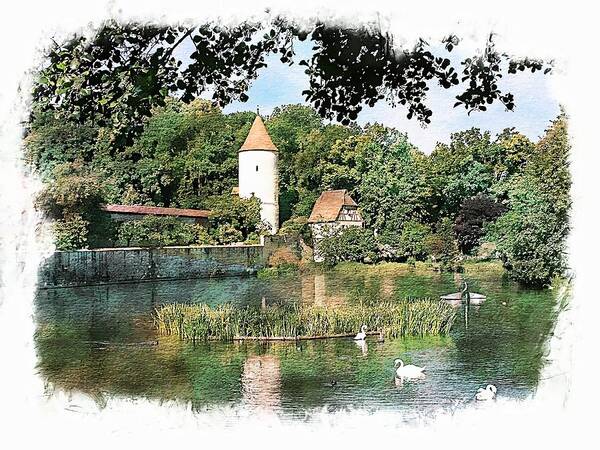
(408, 371)
(488, 393)
(362, 334)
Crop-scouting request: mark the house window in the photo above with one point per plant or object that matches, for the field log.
(257, 168)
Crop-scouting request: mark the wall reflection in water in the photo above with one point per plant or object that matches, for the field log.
(261, 382)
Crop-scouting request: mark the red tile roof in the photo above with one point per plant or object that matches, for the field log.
(155, 211)
(258, 138)
(328, 205)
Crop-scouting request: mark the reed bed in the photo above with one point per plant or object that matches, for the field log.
(416, 317)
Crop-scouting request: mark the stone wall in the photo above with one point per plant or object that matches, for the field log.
(116, 265)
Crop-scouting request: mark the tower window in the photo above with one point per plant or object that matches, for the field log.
(257, 168)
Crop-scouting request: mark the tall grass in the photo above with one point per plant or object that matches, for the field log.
(404, 318)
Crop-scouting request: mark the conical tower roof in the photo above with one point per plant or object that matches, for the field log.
(258, 138)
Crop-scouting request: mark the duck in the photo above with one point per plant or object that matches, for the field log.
(362, 334)
(489, 393)
(409, 371)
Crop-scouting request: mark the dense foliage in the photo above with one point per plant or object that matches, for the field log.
(348, 244)
(442, 245)
(531, 235)
(116, 77)
(152, 231)
(474, 214)
(415, 206)
(72, 198)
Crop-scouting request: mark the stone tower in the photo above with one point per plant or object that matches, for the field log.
(258, 172)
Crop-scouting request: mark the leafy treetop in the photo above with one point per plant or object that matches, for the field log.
(116, 77)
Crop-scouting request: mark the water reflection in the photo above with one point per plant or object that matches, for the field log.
(261, 382)
(504, 345)
(362, 345)
(318, 290)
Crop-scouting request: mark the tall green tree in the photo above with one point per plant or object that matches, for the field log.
(288, 126)
(458, 171)
(391, 188)
(310, 164)
(531, 236)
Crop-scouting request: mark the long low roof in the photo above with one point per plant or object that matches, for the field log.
(156, 211)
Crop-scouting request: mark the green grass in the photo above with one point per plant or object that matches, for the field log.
(282, 270)
(409, 317)
(420, 268)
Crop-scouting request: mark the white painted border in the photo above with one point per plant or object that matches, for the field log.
(560, 30)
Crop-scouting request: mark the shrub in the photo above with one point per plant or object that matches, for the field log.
(72, 190)
(233, 219)
(203, 236)
(252, 239)
(442, 246)
(348, 244)
(474, 214)
(412, 240)
(152, 231)
(530, 238)
(297, 227)
(73, 197)
(277, 271)
(225, 234)
(70, 233)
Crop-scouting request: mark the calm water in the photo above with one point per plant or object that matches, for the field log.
(84, 336)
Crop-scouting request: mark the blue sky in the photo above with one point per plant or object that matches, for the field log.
(279, 84)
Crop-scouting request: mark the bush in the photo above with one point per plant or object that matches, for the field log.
(226, 234)
(70, 233)
(348, 244)
(204, 237)
(278, 271)
(530, 238)
(474, 214)
(298, 228)
(234, 219)
(442, 246)
(73, 197)
(252, 239)
(72, 190)
(412, 240)
(152, 231)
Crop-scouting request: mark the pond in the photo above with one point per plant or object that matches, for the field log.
(100, 340)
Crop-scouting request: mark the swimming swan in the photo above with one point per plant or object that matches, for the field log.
(362, 334)
(488, 393)
(409, 371)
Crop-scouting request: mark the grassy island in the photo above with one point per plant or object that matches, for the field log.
(408, 317)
